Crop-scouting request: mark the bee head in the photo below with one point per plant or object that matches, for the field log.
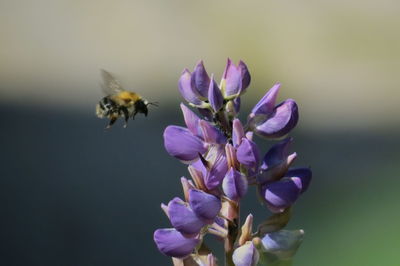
(141, 107)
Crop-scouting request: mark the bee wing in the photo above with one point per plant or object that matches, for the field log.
(110, 84)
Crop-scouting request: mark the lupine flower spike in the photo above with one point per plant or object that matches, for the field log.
(223, 160)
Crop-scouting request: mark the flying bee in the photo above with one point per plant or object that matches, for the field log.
(119, 102)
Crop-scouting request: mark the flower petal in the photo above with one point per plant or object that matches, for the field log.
(217, 172)
(276, 162)
(246, 78)
(237, 132)
(267, 103)
(206, 113)
(191, 120)
(248, 154)
(186, 89)
(236, 104)
(172, 243)
(246, 230)
(281, 194)
(211, 134)
(215, 96)
(282, 120)
(206, 206)
(180, 143)
(232, 79)
(234, 185)
(183, 218)
(246, 255)
(301, 176)
(200, 80)
(276, 154)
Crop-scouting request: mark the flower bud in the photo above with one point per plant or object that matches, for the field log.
(246, 255)
(276, 162)
(200, 80)
(248, 154)
(186, 185)
(215, 96)
(191, 120)
(267, 103)
(183, 218)
(237, 132)
(172, 243)
(234, 185)
(217, 168)
(247, 230)
(280, 122)
(231, 156)
(282, 244)
(236, 104)
(204, 205)
(186, 89)
(301, 177)
(180, 143)
(281, 194)
(235, 79)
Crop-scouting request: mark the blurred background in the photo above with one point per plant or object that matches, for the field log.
(73, 193)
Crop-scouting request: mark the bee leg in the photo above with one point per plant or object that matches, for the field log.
(112, 121)
(126, 115)
(133, 116)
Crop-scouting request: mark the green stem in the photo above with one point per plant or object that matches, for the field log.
(229, 243)
(233, 232)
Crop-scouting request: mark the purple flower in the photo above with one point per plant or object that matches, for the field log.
(276, 154)
(200, 80)
(223, 160)
(186, 89)
(183, 218)
(201, 128)
(280, 122)
(235, 79)
(172, 243)
(191, 121)
(182, 144)
(210, 133)
(234, 185)
(246, 78)
(282, 194)
(215, 96)
(270, 121)
(216, 167)
(206, 206)
(301, 176)
(236, 104)
(206, 113)
(248, 154)
(237, 132)
(267, 103)
(246, 255)
(276, 162)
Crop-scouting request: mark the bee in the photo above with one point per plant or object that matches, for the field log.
(119, 102)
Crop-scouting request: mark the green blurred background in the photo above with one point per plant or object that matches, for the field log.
(73, 193)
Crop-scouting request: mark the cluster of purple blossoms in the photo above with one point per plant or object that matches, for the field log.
(223, 160)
